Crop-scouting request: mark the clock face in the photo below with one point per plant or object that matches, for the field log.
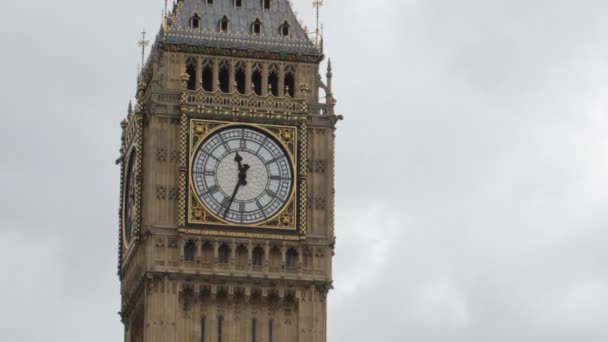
(129, 199)
(242, 175)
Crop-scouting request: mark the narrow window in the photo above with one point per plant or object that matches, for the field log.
(256, 27)
(189, 250)
(203, 329)
(195, 22)
(209, 2)
(223, 253)
(290, 84)
(270, 323)
(224, 78)
(258, 256)
(191, 71)
(240, 80)
(266, 4)
(224, 24)
(284, 29)
(220, 323)
(256, 79)
(238, 3)
(273, 83)
(208, 77)
(253, 328)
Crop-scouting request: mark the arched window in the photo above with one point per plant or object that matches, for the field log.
(189, 250)
(224, 23)
(257, 256)
(292, 260)
(239, 78)
(290, 83)
(256, 27)
(223, 254)
(191, 71)
(284, 29)
(224, 77)
(273, 81)
(195, 22)
(207, 76)
(256, 80)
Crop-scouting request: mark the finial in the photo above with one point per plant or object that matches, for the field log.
(130, 110)
(124, 124)
(318, 4)
(143, 43)
(329, 74)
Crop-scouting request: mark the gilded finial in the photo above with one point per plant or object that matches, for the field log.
(143, 43)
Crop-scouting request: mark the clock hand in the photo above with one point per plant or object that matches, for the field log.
(242, 181)
(238, 159)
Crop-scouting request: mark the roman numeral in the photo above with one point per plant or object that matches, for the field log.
(213, 189)
(260, 207)
(271, 193)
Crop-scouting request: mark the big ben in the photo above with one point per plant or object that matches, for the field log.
(227, 192)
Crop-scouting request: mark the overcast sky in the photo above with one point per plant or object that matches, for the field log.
(472, 171)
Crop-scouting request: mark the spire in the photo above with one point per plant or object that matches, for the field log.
(329, 94)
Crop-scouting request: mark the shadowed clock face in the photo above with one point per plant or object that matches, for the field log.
(242, 175)
(129, 199)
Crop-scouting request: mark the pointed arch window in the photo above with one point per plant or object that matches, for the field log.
(224, 77)
(273, 81)
(191, 71)
(195, 22)
(256, 80)
(207, 80)
(240, 77)
(256, 27)
(284, 29)
(290, 82)
(224, 24)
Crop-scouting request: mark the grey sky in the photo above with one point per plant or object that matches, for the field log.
(472, 167)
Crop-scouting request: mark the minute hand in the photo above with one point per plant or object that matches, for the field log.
(242, 181)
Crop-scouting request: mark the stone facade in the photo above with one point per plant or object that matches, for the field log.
(186, 281)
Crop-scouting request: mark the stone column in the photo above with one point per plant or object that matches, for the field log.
(248, 74)
(264, 79)
(232, 77)
(216, 75)
(281, 80)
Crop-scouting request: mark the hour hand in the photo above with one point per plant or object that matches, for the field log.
(238, 159)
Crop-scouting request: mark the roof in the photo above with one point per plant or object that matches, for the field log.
(239, 34)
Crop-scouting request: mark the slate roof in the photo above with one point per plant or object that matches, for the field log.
(239, 35)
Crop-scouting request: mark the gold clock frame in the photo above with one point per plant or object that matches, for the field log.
(286, 219)
(132, 143)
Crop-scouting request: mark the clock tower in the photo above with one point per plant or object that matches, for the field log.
(227, 180)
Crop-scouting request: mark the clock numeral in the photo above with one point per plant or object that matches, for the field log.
(261, 207)
(277, 178)
(213, 189)
(272, 161)
(224, 143)
(271, 193)
(262, 145)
